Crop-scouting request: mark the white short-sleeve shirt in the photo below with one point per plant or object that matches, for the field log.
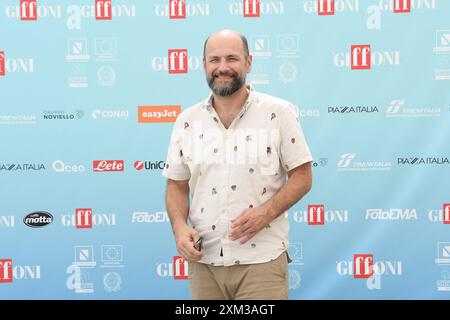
(230, 170)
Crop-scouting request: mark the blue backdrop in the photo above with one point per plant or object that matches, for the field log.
(82, 210)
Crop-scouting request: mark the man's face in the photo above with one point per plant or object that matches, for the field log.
(226, 64)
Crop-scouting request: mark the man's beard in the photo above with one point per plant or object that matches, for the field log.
(229, 89)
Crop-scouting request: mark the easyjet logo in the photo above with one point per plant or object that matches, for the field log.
(158, 113)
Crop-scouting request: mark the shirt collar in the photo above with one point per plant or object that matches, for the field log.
(251, 96)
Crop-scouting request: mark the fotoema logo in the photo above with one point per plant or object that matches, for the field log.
(347, 163)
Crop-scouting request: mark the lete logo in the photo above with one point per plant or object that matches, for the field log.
(108, 165)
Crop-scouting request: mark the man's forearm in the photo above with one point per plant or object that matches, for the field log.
(298, 184)
(177, 204)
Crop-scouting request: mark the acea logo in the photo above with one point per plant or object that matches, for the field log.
(363, 266)
(178, 269)
(441, 215)
(317, 215)
(61, 167)
(38, 219)
(10, 272)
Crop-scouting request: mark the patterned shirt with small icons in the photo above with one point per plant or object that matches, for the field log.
(230, 170)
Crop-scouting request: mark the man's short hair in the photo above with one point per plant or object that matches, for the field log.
(244, 44)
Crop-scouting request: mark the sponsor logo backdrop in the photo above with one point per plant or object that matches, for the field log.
(89, 92)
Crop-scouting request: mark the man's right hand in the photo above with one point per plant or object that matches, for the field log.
(185, 238)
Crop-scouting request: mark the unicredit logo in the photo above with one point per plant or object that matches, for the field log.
(108, 165)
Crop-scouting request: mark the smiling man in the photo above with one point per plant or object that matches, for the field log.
(232, 153)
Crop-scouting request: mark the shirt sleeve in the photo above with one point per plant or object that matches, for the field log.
(294, 150)
(175, 167)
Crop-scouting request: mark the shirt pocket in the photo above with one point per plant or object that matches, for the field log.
(269, 162)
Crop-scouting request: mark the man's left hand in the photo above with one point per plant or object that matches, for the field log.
(248, 223)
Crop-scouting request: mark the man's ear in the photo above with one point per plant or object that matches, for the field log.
(249, 63)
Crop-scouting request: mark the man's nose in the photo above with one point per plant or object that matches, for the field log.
(223, 66)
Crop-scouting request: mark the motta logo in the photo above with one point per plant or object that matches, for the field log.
(153, 114)
(38, 219)
(103, 10)
(148, 165)
(252, 8)
(2, 63)
(6, 270)
(360, 57)
(402, 6)
(108, 165)
(446, 211)
(178, 60)
(325, 7)
(28, 10)
(316, 214)
(83, 218)
(362, 266)
(177, 9)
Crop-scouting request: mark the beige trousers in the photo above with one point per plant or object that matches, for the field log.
(261, 281)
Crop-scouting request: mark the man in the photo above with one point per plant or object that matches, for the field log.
(232, 153)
